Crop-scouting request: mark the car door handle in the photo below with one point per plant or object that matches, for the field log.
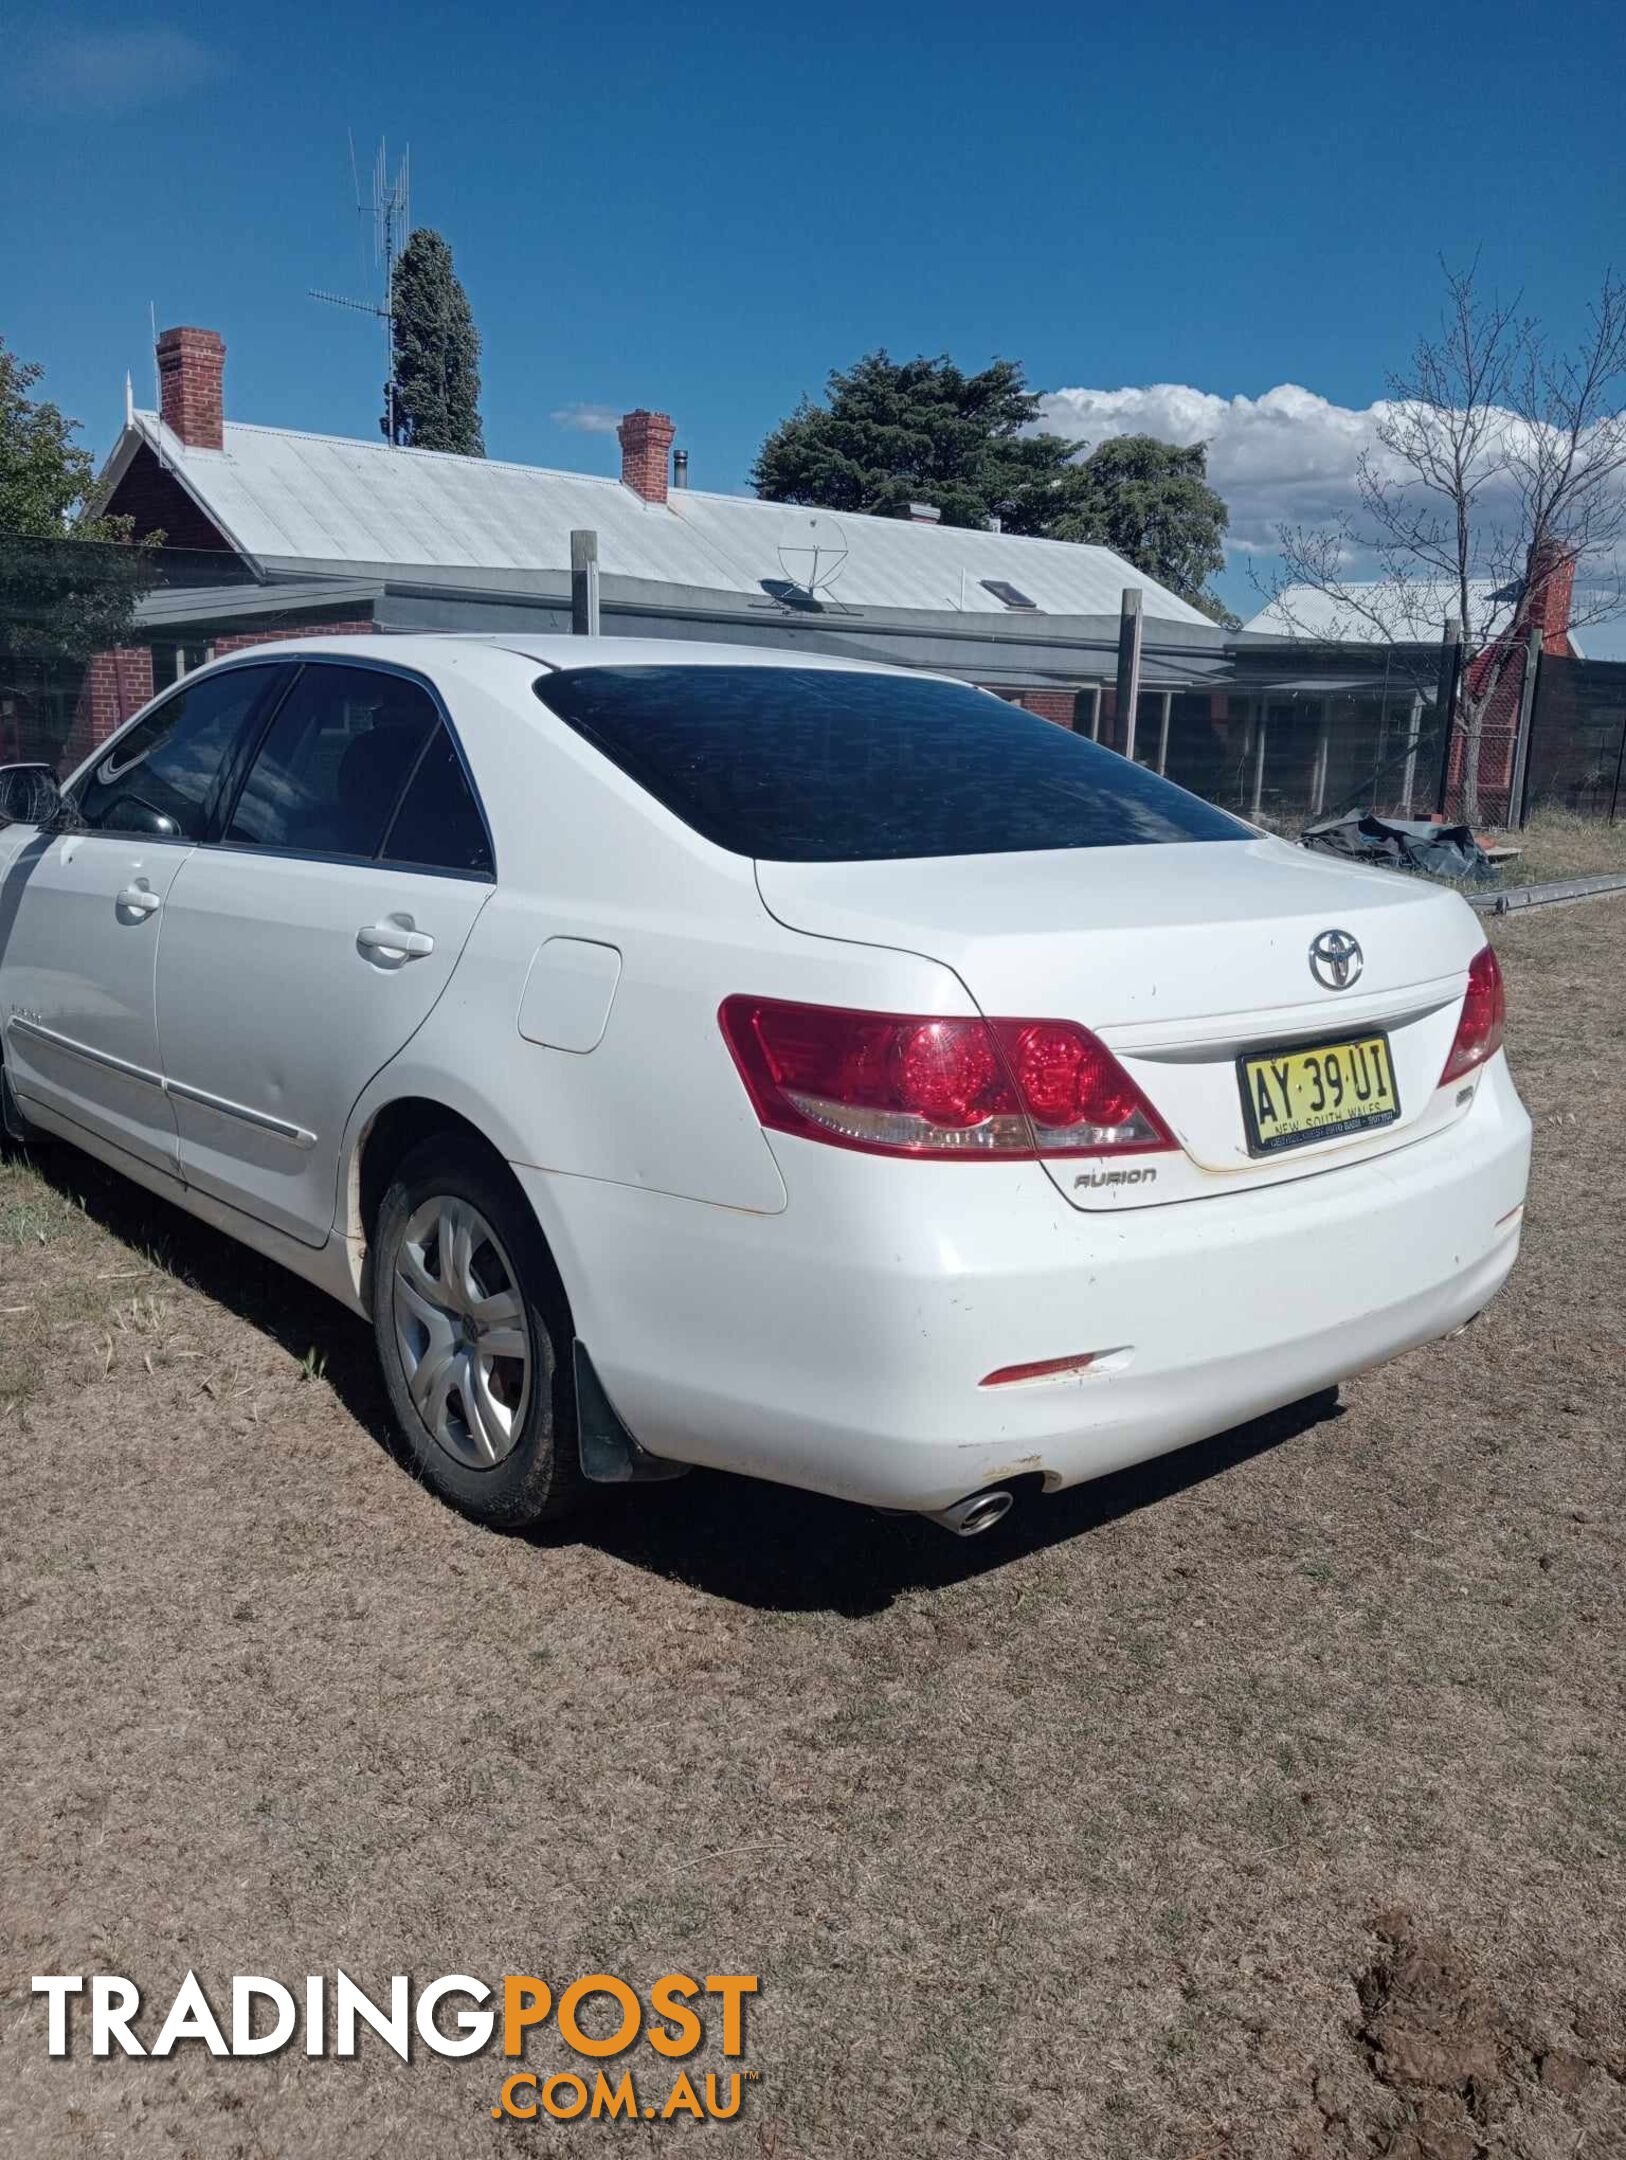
(394, 941)
(137, 900)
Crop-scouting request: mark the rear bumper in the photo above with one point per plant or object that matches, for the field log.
(839, 1345)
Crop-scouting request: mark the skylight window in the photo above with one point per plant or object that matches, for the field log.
(1008, 595)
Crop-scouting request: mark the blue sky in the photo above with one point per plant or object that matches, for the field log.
(706, 214)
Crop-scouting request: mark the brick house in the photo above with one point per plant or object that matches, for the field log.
(273, 533)
(311, 532)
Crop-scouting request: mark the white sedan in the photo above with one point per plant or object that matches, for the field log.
(701, 1054)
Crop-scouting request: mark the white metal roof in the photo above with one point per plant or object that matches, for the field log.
(1382, 613)
(284, 498)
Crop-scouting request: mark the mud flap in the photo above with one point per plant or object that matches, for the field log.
(13, 1122)
(609, 1453)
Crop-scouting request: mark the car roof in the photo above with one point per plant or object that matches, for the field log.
(574, 652)
(422, 649)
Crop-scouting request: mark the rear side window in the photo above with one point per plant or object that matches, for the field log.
(160, 776)
(822, 765)
(438, 826)
(334, 762)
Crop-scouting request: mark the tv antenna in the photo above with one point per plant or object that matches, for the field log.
(816, 557)
(390, 214)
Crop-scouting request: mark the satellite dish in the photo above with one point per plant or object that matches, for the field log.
(815, 555)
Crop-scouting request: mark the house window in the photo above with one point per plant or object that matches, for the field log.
(179, 662)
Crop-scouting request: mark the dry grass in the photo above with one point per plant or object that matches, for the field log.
(1558, 844)
(1263, 1803)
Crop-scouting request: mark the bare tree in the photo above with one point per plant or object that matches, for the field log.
(1499, 466)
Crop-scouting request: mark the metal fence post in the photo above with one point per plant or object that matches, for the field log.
(1323, 753)
(1517, 779)
(1414, 728)
(1445, 699)
(584, 584)
(1131, 627)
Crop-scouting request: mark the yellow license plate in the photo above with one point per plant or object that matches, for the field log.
(1291, 1097)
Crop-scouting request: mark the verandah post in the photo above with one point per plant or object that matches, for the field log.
(1131, 628)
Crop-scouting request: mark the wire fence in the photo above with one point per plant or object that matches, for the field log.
(1284, 733)
(39, 696)
(1282, 758)
(1288, 754)
(73, 662)
(1550, 733)
(1576, 759)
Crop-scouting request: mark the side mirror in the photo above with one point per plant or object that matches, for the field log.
(29, 795)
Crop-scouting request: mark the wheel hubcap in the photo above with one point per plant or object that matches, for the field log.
(461, 1330)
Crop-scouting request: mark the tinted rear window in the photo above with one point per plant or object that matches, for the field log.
(818, 765)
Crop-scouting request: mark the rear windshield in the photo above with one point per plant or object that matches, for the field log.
(819, 765)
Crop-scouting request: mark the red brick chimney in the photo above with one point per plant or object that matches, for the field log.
(646, 444)
(1550, 590)
(191, 383)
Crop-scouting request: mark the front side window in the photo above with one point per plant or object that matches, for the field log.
(334, 762)
(797, 764)
(158, 778)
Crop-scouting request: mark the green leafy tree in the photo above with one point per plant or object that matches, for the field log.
(895, 432)
(69, 582)
(436, 353)
(1151, 503)
(45, 477)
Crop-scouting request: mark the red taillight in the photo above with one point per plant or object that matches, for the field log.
(1484, 1009)
(1065, 1077)
(946, 1073)
(905, 1084)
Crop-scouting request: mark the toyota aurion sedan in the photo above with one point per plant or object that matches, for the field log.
(701, 1054)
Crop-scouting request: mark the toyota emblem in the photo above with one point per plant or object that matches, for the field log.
(1335, 960)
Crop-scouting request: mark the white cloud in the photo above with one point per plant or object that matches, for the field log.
(587, 419)
(1289, 458)
(1286, 458)
(109, 71)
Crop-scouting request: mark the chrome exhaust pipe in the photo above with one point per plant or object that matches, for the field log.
(969, 1518)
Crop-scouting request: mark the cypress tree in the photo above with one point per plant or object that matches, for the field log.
(437, 352)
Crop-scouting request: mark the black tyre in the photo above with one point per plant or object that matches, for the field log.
(475, 1338)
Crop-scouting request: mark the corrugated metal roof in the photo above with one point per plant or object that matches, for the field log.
(175, 606)
(325, 499)
(1380, 613)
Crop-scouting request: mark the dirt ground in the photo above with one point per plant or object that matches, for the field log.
(1266, 1802)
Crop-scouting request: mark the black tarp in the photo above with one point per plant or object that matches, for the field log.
(1449, 851)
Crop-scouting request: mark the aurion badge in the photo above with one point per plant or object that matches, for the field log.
(1335, 960)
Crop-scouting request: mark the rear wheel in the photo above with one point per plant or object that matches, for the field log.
(474, 1337)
